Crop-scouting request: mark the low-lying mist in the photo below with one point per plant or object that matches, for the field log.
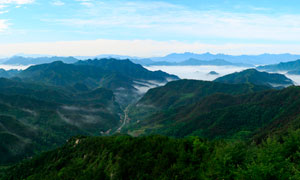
(202, 72)
(9, 67)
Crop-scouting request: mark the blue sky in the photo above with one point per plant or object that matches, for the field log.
(148, 27)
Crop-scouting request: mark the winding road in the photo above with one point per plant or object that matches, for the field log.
(124, 120)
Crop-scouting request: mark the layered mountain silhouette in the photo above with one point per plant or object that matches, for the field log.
(232, 119)
(242, 111)
(127, 80)
(256, 77)
(283, 66)
(37, 117)
(20, 60)
(44, 105)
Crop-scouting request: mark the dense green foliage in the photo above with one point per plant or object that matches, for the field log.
(48, 103)
(37, 117)
(182, 93)
(157, 157)
(8, 73)
(126, 67)
(223, 130)
(121, 76)
(224, 114)
(178, 101)
(255, 77)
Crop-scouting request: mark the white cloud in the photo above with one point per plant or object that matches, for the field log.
(163, 18)
(142, 48)
(4, 4)
(2, 12)
(87, 3)
(16, 1)
(3, 24)
(58, 3)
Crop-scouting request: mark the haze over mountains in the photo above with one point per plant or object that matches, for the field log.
(44, 105)
(255, 77)
(291, 67)
(251, 59)
(149, 90)
(19, 60)
(173, 59)
(239, 111)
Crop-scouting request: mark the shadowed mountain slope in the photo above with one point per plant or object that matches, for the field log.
(256, 77)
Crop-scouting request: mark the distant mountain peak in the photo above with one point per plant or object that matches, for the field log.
(20, 60)
(254, 76)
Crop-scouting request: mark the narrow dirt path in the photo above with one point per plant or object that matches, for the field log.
(124, 120)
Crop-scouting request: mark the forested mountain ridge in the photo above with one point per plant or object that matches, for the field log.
(36, 117)
(126, 67)
(126, 79)
(183, 93)
(57, 100)
(217, 115)
(49, 103)
(8, 73)
(283, 66)
(256, 77)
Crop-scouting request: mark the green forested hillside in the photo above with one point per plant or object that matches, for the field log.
(240, 128)
(127, 68)
(8, 73)
(221, 115)
(183, 93)
(256, 77)
(123, 77)
(35, 117)
(158, 157)
(55, 101)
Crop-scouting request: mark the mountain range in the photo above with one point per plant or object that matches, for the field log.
(44, 105)
(249, 59)
(37, 117)
(291, 67)
(233, 115)
(174, 58)
(216, 126)
(127, 80)
(9, 73)
(19, 60)
(191, 62)
(254, 76)
(215, 110)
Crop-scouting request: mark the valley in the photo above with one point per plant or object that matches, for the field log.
(149, 90)
(47, 105)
